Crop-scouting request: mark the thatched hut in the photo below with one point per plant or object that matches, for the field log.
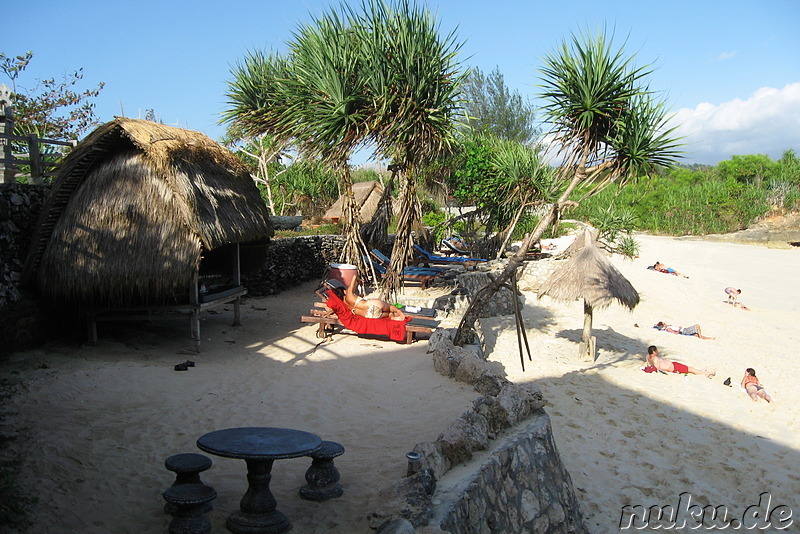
(367, 196)
(138, 212)
(590, 275)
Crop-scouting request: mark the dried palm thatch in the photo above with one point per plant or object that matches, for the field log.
(367, 196)
(580, 242)
(132, 210)
(590, 275)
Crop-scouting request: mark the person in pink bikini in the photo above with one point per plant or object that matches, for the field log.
(753, 386)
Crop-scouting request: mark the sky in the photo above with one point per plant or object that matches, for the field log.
(728, 70)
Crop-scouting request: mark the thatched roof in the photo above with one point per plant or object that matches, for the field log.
(367, 196)
(132, 209)
(590, 275)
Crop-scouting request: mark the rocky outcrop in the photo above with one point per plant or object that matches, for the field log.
(780, 231)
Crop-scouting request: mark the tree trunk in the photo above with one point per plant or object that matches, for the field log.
(466, 329)
(403, 249)
(354, 249)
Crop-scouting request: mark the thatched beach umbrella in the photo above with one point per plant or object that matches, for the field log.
(134, 209)
(591, 276)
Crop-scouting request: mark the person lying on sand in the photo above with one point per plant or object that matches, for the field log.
(369, 308)
(672, 367)
(693, 330)
(753, 386)
(660, 267)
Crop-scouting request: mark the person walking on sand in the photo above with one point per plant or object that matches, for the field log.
(753, 386)
(672, 367)
(693, 330)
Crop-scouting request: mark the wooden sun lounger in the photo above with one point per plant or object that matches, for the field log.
(423, 313)
(326, 323)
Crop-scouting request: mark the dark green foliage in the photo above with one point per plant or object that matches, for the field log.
(721, 199)
(492, 108)
(472, 180)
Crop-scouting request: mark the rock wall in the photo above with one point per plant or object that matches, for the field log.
(515, 480)
(289, 262)
(20, 205)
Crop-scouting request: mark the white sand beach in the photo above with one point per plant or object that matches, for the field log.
(97, 422)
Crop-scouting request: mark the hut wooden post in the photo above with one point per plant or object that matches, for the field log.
(237, 281)
(194, 315)
(586, 350)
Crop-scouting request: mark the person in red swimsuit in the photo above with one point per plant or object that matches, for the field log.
(753, 386)
(672, 367)
(371, 308)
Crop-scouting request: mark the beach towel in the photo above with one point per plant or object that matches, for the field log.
(396, 330)
(649, 369)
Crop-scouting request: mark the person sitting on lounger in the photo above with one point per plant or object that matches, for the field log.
(660, 267)
(370, 308)
(693, 330)
(672, 367)
(753, 386)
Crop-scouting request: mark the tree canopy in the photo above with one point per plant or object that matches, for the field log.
(51, 109)
(491, 107)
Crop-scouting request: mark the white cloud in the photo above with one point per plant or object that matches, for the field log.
(768, 122)
(726, 55)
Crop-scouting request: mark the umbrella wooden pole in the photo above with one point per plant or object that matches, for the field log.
(586, 341)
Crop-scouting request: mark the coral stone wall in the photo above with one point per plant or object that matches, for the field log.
(20, 205)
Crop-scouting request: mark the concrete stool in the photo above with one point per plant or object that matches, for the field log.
(187, 467)
(188, 503)
(322, 476)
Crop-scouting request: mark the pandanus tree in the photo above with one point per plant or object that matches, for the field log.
(415, 81)
(381, 75)
(607, 125)
(313, 99)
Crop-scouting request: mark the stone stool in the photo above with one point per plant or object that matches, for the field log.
(187, 467)
(322, 476)
(188, 503)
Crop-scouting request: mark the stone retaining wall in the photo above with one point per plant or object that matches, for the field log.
(515, 480)
(292, 261)
(20, 205)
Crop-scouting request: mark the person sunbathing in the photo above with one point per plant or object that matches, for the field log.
(668, 366)
(753, 386)
(371, 308)
(693, 330)
(660, 267)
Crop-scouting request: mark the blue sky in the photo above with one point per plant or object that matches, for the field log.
(728, 69)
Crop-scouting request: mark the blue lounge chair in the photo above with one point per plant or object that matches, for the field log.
(425, 257)
(409, 274)
(384, 260)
